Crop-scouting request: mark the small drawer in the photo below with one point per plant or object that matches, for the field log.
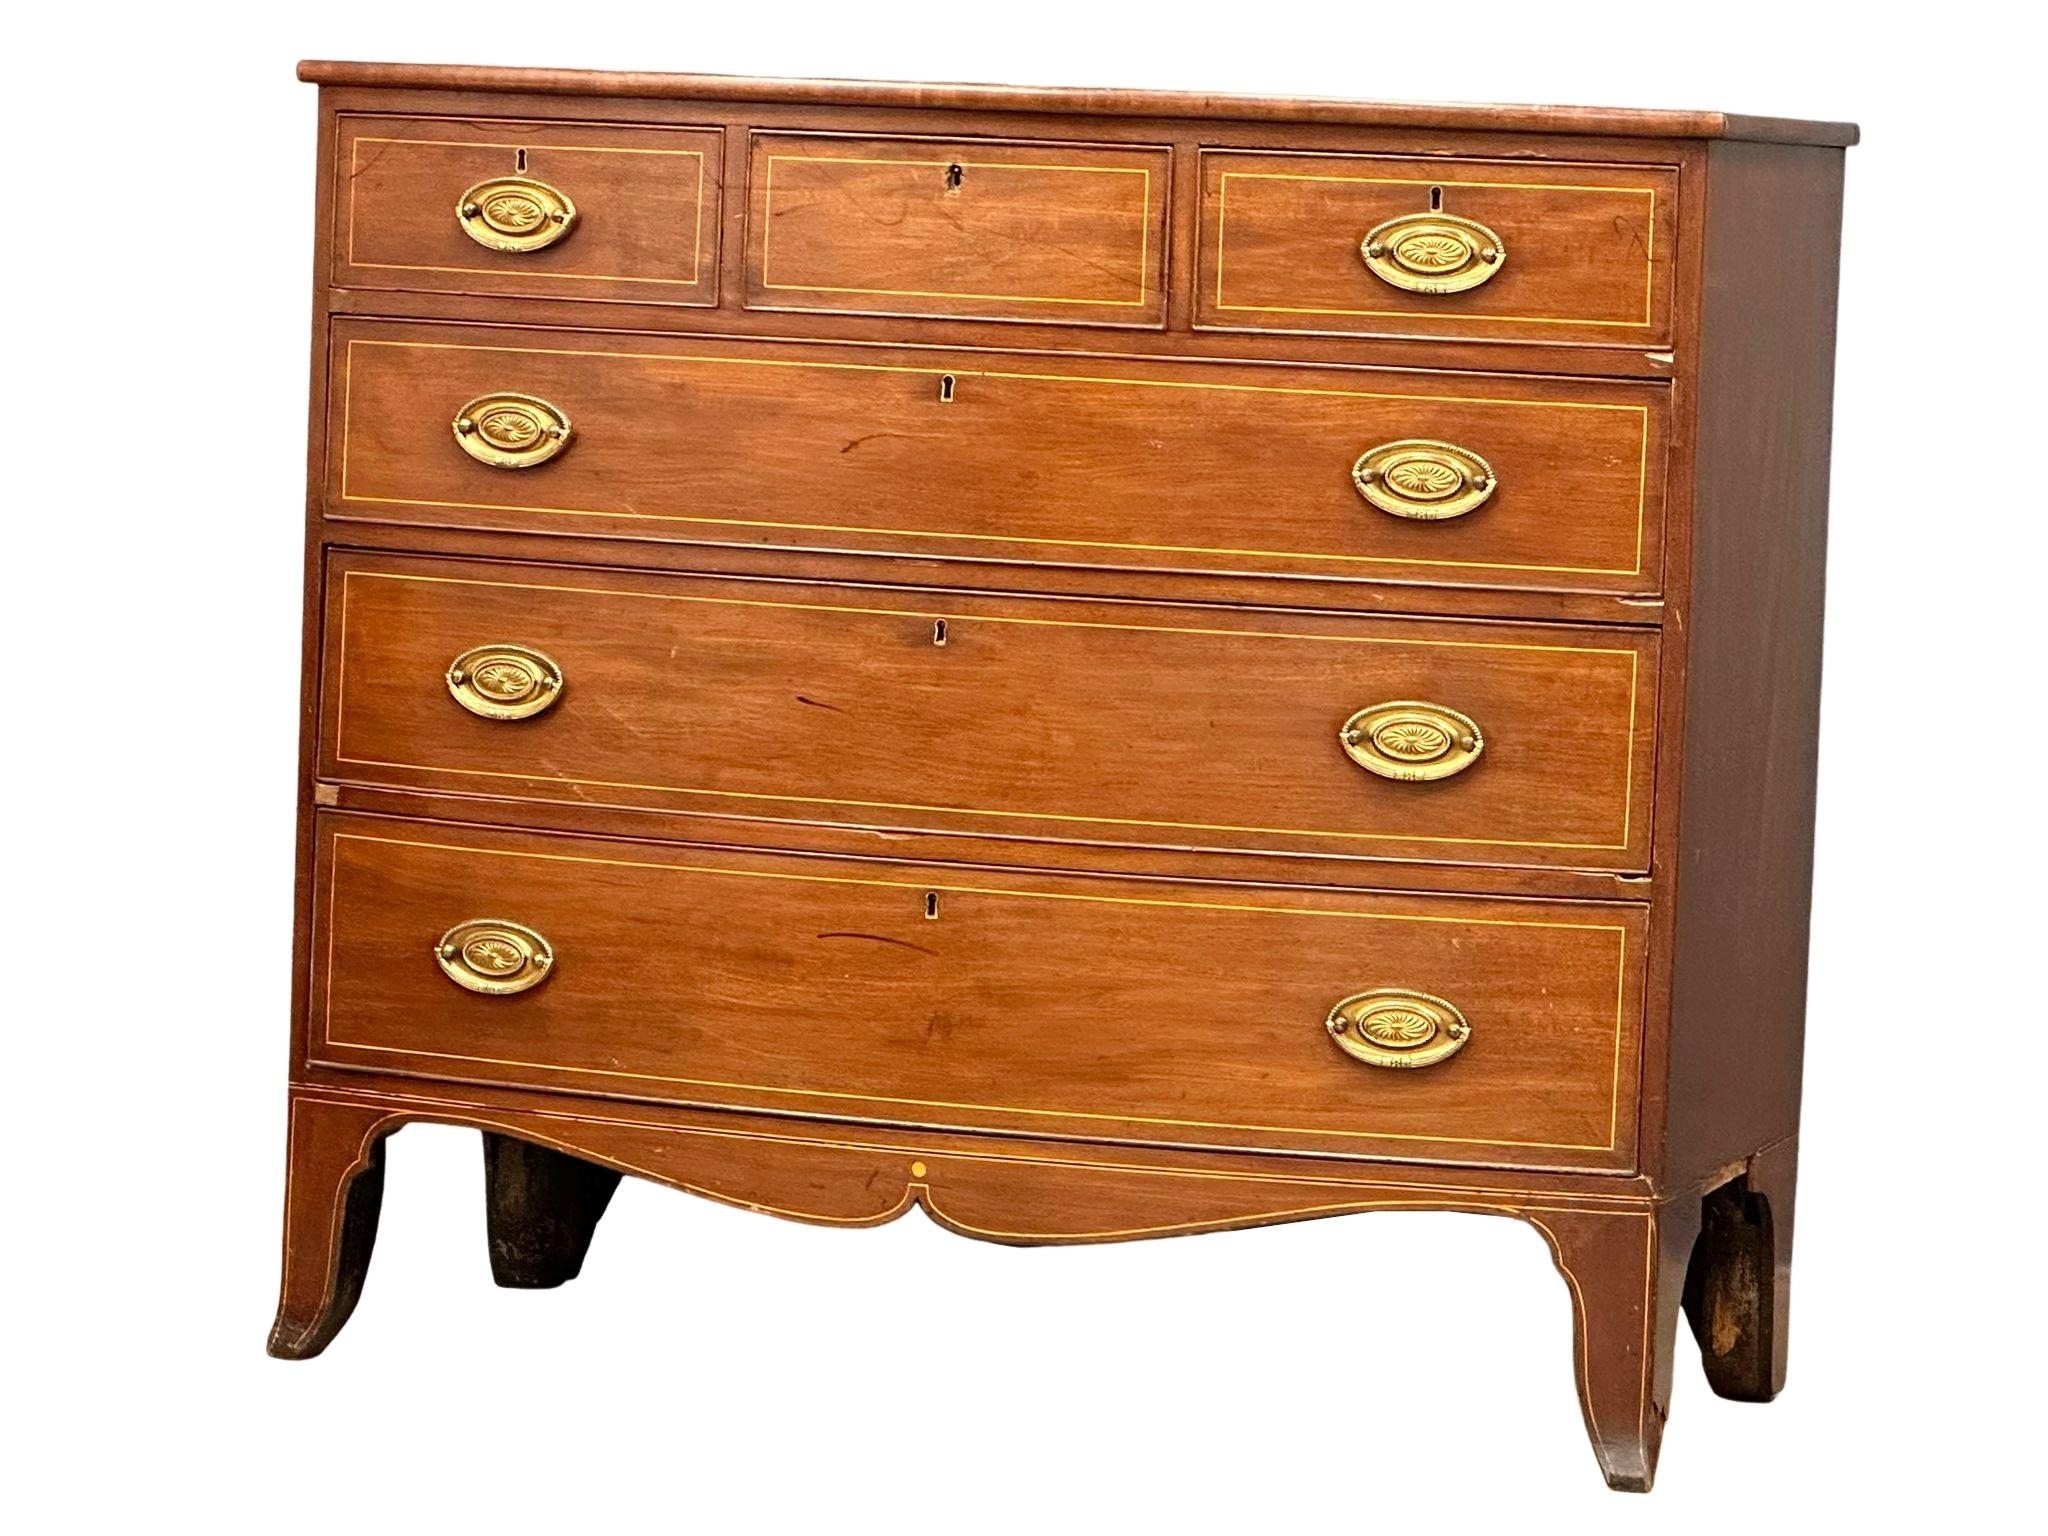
(556, 210)
(965, 228)
(976, 716)
(1472, 249)
(1343, 475)
(979, 1000)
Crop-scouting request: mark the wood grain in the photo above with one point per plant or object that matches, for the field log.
(646, 199)
(1080, 722)
(1132, 466)
(1587, 247)
(1752, 656)
(1023, 1004)
(965, 228)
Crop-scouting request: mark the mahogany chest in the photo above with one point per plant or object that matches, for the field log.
(1100, 664)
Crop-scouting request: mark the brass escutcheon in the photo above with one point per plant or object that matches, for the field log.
(1432, 253)
(493, 956)
(1412, 741)
(1423, 480)
(505, 681)
(515, 213)
(511, 431)
(1395, 1027)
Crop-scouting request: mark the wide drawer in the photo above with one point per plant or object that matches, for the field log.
(968, 228)
(1384, 246)
(558, 210)
(1341, 474)
(937, 996)
(957, 713)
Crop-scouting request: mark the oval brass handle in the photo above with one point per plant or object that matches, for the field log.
(505, 681)
(1423, 480)
(510, 431)
(493, 956)
(1394, 1027)
(1432, 253)
(1412, 741)
(515, 213)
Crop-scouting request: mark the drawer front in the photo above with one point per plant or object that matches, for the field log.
(557, 210)
(1039, 718)
(966, 228)
(1149, 466)
(1473, 249)
(938, 996)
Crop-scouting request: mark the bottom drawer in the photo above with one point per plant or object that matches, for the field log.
(1094, 1008)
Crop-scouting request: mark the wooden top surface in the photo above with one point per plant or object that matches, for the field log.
(1624, 122)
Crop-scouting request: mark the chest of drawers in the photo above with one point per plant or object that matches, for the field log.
(1099, 664)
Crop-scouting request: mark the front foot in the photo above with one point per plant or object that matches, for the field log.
(1626, 1269)
(334, 1190)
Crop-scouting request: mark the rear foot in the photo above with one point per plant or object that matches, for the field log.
(1738, 1290)
(541, 1208)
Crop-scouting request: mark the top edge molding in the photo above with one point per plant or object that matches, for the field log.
(1620, 122)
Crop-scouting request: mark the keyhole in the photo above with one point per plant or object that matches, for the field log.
(1436, 199)
(938, 631)
(954, 174)
(522, 160)
(945, 389)
(931, 905)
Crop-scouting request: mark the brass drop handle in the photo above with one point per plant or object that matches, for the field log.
(1412, 741)
(503, 681)
(494, 956)
(1395, 1027)
(1433, 253)
(511, 431)
(1423, 480)
(515, 213)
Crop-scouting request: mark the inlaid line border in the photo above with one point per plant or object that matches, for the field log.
(1641, 410)
(1221, 305)
(1145, 295)
(694, 280)
(328, 1041)
(341, 756)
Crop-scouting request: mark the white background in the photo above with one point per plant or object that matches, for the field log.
(733, 1373)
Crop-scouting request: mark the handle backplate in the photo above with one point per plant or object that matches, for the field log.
(1432, 253)
(1423, 480)
(494, 956)
(504, 681)
(1411, 740)
(515, 213)
(1396, 1027)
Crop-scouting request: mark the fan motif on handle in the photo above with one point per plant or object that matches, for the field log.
(1432, 252)
(493, 956)
(1425, 479)
(510, 427)
(1415, 741)
(513, 212)
(1399, 1028)
(505, 680)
